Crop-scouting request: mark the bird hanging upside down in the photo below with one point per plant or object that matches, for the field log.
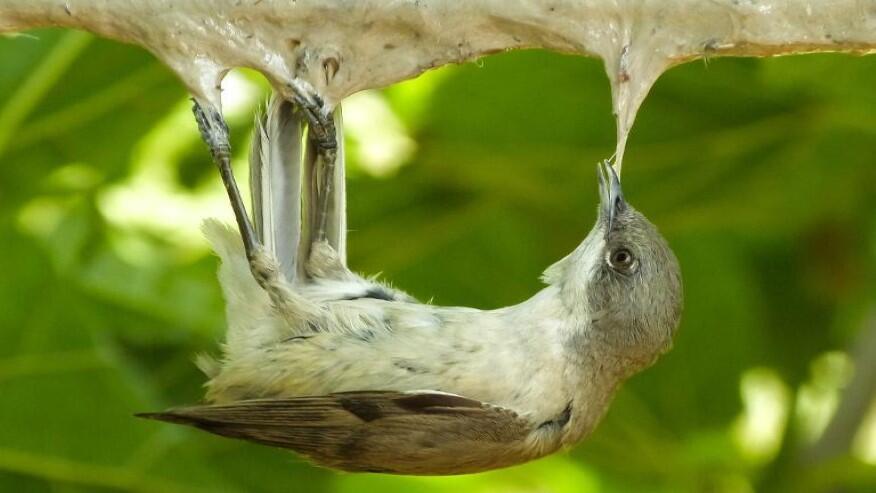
(358, 376)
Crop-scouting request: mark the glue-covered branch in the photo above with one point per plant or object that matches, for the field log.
(342, 46)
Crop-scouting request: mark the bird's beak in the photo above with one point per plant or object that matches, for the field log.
(610, 194)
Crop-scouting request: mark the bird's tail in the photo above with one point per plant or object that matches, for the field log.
(284, 190)
(275, 182)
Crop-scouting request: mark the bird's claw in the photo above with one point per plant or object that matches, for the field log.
(322, 126)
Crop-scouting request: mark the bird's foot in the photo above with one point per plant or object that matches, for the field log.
(325, 263)
(214, 131)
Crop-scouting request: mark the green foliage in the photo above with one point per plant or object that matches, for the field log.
(759, 172)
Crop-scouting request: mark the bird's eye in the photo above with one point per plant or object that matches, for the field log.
(621, 260)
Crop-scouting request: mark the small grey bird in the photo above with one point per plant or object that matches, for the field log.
(358, 376)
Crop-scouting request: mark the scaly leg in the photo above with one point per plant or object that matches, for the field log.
(323, 137)
(214, 131)
(264, 267)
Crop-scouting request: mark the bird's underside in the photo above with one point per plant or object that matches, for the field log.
(424, 433)
(297, 187)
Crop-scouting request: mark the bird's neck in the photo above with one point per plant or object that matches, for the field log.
(555, 300)
(595, 368)
(594, 392)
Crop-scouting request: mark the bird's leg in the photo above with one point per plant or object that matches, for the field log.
(322, 135)
(325, 184)
(214, 131)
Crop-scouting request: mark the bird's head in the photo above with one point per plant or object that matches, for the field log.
(623, 280)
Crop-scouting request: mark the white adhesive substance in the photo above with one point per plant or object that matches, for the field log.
(343, 46)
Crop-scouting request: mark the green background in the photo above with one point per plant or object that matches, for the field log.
(759, 172)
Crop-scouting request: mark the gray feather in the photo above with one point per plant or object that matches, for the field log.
(275, 183)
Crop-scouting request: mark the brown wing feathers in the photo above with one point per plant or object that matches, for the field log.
(411, 433)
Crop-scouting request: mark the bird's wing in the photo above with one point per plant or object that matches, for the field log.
(376, 431)
(275, 182)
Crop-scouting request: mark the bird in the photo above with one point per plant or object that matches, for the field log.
(358, 376)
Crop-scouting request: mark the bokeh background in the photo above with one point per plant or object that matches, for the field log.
(464, 185)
